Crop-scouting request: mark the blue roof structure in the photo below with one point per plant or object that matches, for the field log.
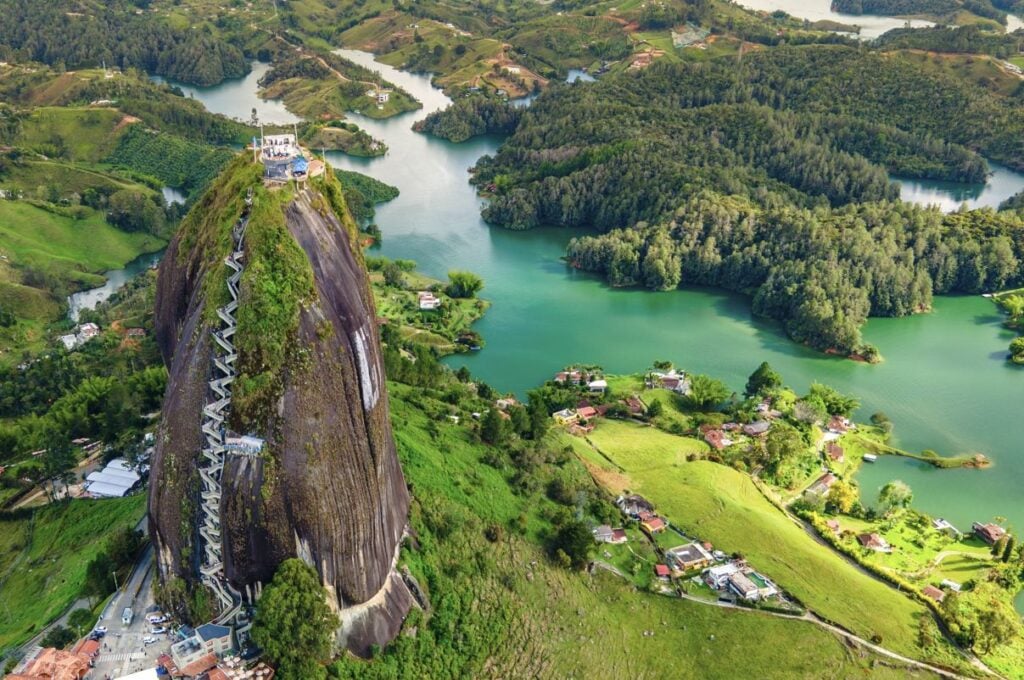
(211, 631)
(300, 165)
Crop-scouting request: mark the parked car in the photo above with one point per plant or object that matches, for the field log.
(148, 640)
(156, 618)
(159, 630)
(102, 630)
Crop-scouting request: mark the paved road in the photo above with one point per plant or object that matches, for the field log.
(123, 651)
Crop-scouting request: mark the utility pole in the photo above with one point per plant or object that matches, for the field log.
(116, 587)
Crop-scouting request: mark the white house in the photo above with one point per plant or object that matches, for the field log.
(597, 385)
(428, 300)
(717, 577)
(70, 341)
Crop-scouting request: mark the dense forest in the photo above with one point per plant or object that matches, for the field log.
(982, 8)
(471, 117)
(768, 178)
(175, 161)
(956, 40)
(75, 34)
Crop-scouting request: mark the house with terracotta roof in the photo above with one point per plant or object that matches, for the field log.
(822, 484)
(606, 534)
(758, 428)
(634, 405)
(662, 571)
(717, 439)
(653, 524)
(990, 533)
(587, 412)
(874, 542)
(933, 593)
(53, 664)
(835, 452)
(839, 424)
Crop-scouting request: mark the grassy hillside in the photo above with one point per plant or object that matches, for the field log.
(502, 609)
(723, 506)
(43, 558)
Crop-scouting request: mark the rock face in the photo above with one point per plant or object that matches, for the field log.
(328, 487)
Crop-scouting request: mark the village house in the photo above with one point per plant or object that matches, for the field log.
(822, 484)
(208, 640)
(933, 593)
(717, 439)
(606, 534)
(688, 557)
(571, 377)
(427, 300)
(990, 533)
(662, 572)
(757, 428)
(874, 542)
(951, 585)
(634, 405)
(676, 382)
(653, 524)
(839, 424)
(743, 586)
(565, 417)
(587, 412)
(633, 505)
(69, 341)
(717, 577)
(599, 385)
(136, 333)
(835, 452)
(87, 331)
(505, 403)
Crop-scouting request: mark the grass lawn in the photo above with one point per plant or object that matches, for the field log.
(67, 247)
(43, 560)
(723, 506)
(79, 134)
(638, 448)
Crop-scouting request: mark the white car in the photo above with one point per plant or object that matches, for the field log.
(148, 640)
(159, 630)
(156, 618)
(100, 629)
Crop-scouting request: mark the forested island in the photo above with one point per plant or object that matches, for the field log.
(989, 9)
(770, 179)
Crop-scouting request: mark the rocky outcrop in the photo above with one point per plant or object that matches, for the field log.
(328, 487)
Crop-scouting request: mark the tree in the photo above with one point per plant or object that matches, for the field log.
(1011, 546)
(655, 408)
(539, 419)
(706, 392)
(58, 460)
(59, 637)
(492, 428)
(999, 547)
(293, 623)
(99, 576)
(835, 403)
(575, 540)
(764, 378)
(881, 421)
(463, 284)
(134, 211)
(393, 275)
(81, 620)
(895, 494)
(842, 497)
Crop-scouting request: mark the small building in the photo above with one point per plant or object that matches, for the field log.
(822, 484)
(951, 585)
(606, 534)
(835, 452)
(69, 341)
(675, 382)
(717, 439)
(653, 524)
(565, 417)
(662, 572)
(870, 458)
(833, 525)
(839, 424)
(758, 428)
(933, 593)
(135, 333)
(688, 557)
(633, 505)
(570, 377)
(740, 584)
(87, 331)
(383, 96)
(513, 70)
(634, 405)
(427, 300)
(505, 403)
(990, 533)
(717, 577)
(208, 640)
(874, 542)
(945, 527)
(599, 385)
(587, 412)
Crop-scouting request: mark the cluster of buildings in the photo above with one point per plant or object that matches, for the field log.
(198, 651)
(672, 380)
(83, 334)
(722, 437)
(281, 156)
(56, 664)
(593, 381)
(427, 301)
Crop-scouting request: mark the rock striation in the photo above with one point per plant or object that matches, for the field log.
(328, 487)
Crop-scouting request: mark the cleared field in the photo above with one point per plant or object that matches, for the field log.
(723, 506)
(66, 247)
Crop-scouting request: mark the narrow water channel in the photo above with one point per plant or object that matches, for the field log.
(945, 382)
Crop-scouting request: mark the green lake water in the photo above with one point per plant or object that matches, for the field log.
(945, 382)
